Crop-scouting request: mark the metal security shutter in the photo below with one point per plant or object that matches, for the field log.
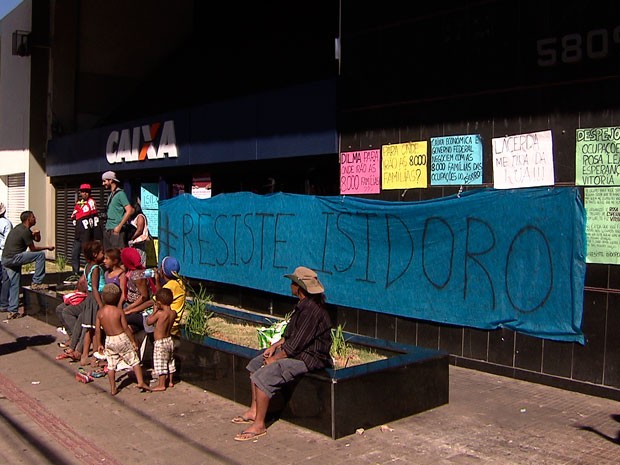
(65, 232)
(16, 199)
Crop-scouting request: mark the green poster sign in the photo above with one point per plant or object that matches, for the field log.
(597, 157)
(603, 224)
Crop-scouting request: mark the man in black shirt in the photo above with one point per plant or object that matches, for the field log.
(16, 253)
(303, 347)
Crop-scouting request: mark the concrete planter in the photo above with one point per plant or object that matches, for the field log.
(332, 402)
(56, 278)
(42, 304)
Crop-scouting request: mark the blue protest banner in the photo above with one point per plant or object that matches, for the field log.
(485, 259)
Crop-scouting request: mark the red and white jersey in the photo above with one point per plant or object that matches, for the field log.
(84, 208)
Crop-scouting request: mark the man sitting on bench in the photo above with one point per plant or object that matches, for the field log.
(303, 347)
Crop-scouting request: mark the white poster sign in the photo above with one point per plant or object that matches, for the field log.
(523, 160)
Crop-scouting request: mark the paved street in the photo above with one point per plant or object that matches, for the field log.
(46, 416)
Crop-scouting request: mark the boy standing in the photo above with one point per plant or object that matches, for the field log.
(163, 318)
(119, 343)
(168, 277)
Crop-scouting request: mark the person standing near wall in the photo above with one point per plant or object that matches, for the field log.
(16, 253)
(138, 233)
(5, 228)
(86, 222)
(118, 213)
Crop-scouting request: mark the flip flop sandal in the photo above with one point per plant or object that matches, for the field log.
(82, 378)
(69, 353)
(241, 420)
(63, 345)
(249, 435)
(62, 356)
(97, 374)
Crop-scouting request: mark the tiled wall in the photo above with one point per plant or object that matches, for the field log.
(592, 368)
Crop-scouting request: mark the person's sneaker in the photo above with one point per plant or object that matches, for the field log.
(39, 287)
(15, 315)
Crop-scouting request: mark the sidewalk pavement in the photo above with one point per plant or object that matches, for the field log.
(47, 417)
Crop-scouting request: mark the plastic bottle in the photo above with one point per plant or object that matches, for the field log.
(140, 274)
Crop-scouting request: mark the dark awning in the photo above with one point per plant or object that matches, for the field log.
(291, 122)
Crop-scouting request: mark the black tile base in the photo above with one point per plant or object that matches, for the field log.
(412, 380)
(42, 305)
(331, 402)
(200, 366)
(50, 278)
(539, 378)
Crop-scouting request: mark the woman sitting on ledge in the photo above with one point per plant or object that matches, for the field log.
(79, 320)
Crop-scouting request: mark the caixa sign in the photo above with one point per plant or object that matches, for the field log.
(146, 142)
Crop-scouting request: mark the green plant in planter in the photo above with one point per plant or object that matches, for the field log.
(61, 262)
(195, 313)
(28, 268)
(340, 347)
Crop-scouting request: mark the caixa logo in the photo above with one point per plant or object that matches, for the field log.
(142, 143)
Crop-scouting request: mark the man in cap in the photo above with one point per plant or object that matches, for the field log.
(19, 249)
(119, 212)
(304, 347)
(86, 221)
(5, 228)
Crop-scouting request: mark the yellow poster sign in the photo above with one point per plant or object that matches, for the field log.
(404, 166)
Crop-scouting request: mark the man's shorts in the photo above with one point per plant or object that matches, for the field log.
(270, 378)
(111, 240)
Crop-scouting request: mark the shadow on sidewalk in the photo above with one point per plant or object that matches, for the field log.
(211, 453)
(23, 342)
(615, 440)
(46, 454)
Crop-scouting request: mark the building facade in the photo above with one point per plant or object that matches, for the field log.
(265, 98)
(23, 181)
